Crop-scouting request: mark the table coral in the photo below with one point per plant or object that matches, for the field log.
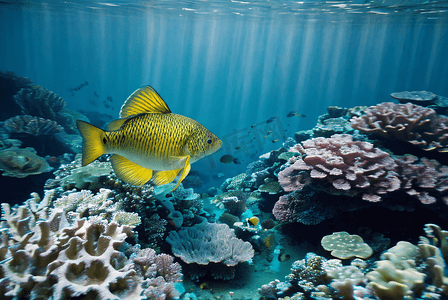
(408, 122)
(343, 245)
(212, 245)
(338, 165)
(20, 163)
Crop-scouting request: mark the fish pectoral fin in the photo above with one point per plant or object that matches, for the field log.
(129, 171)
(144, 100)
(115, 124)
(185, 172)
(164, 177)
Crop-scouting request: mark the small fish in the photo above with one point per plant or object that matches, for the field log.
(267, 134)
(109, 98)
(237, 147)
(148, 142)
(271, 120)
(236, 161)
(275, 141)
(95, 94)
(293, 113)
(226, 159)
(253, 221)
(252, 126)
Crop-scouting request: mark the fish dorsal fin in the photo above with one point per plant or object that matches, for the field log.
(129, 171)
(144, 100)
(115, 124)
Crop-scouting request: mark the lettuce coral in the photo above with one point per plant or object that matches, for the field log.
(212, 245)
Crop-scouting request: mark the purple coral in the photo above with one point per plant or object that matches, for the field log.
(308, 209)
(160, 273)
(32, 125)
(408, 122)
(426, 179)
(210, 247)
(340, 166)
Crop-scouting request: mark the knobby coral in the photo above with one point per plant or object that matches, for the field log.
(408, 122)
(341, 166)
(212, 245)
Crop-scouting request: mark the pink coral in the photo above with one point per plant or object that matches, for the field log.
(340, 166)
(408, 122)
(426, 179)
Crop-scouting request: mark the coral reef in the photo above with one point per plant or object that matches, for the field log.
(408, 122)
(92, 177)
(32, 125)
(395, 275)
(306, 207)
(343, 245)
(210, 247)
(45, 256)
(415, 97)
(340, 166)
(39, 101)
(425, 179)
(20, 163)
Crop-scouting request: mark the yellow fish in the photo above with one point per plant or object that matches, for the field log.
(148, 141)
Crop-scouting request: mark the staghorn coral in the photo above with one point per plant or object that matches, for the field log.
(340, 166)
(15, 162)
(210, 247)
(39, 101)
(32, 125)
(408, 122)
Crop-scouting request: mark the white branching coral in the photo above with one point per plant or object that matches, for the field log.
(43, 256)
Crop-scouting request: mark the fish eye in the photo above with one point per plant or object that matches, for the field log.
(104, 140)
(209, 141)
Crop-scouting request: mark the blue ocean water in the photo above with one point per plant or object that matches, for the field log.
(229, 64)
(237, 67)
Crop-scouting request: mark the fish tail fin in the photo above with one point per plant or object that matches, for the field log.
(92, 141)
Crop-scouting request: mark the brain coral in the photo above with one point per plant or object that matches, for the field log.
(341, 166)
(212, 245)
(408, 122)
